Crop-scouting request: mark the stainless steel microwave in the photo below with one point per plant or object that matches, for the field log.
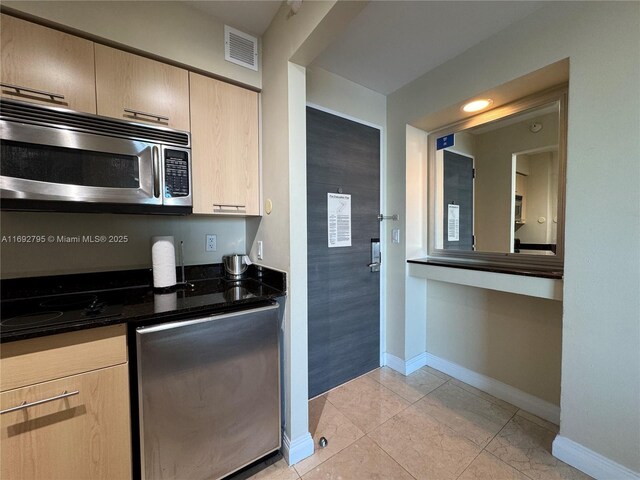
(60, 160)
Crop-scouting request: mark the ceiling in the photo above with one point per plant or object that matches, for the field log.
(410, 38)
(250, 16)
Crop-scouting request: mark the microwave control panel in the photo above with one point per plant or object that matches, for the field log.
(176, 173)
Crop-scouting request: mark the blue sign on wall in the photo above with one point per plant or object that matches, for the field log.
(444, 142)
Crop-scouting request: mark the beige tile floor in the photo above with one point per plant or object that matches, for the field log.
(426, 426)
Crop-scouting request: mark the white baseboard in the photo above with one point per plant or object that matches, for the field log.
(298, 449)
(505, 392)
(590, 462)
(405, 368)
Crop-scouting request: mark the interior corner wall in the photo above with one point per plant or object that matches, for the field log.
(600, 376)
(171, 30)
(414, 333)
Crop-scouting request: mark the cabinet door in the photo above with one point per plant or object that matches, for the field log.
(82, 436)
(45, 61)
(224, 135)
(135, 88)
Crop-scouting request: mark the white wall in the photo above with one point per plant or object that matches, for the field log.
(56, 258)
(600, 394)
(515, 339)
(170, 30)
(343, 96)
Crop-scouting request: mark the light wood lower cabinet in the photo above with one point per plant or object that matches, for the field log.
(225, 160)
(72, 394)
(83, 436)
(43, 60)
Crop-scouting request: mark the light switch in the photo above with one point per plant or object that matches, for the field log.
(259, 249)
(395, 235)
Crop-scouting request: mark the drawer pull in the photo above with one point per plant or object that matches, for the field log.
(24, 405)
(222, 205)
(19, 90)
(137, 113)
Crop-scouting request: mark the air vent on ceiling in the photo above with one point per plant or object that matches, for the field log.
(240, 48)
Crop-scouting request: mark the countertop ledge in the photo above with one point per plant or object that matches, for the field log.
(557, 275)
(138, 304)
(548, 286)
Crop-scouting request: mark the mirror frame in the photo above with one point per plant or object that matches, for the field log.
(516, 262)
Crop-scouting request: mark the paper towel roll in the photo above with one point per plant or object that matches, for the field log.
(163, 258)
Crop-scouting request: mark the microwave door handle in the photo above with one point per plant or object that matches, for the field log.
(156, 171)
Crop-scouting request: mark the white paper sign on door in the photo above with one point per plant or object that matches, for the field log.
(453, 230)
(339, 220)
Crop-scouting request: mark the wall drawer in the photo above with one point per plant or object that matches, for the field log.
(41, 359)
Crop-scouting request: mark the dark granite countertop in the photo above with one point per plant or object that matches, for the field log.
(527, 272)
(128, 297)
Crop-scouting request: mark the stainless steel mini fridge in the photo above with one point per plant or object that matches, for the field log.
(208, 393)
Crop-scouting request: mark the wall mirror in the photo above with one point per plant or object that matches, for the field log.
(497, 181)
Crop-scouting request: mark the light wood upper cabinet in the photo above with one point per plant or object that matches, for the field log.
(125, 81)
(225, 159)
(46, 60)
(82, 436)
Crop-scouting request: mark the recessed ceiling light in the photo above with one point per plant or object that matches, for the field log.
(477, 105)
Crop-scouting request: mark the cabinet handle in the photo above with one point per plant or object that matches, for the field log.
(19, 90)
(24, 405)
(137, 113)
(222, 205)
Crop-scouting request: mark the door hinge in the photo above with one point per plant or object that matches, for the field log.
(474, 173)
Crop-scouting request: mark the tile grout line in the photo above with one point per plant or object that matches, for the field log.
(336, 453)
(483, 398)
(467, 467)
(444, 425)
(498, 432)
(535, 423)
(364, 434)
(484, 449)
(439, 378)
(500, 460)
(388, 453)
(383, 386)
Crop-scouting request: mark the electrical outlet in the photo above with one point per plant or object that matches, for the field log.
(211, 244)
(395, 235)
(260, 250)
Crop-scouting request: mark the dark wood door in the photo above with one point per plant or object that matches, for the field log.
(458, 191)
(344, 294)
